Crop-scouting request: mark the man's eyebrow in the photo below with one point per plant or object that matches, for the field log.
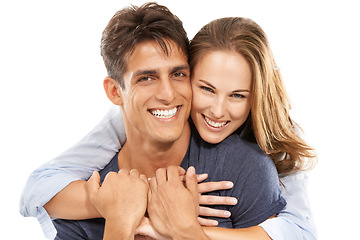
(181, 67)
(144, 72)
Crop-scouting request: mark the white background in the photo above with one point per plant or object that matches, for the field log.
(51, 91)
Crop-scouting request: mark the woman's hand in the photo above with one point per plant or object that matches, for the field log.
(213, 200)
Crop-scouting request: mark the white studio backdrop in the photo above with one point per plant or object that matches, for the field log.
(51, 90)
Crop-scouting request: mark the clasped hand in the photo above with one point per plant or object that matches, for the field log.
(171, 200)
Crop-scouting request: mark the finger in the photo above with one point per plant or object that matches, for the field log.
(93, 185)
(134, 173)
(123, 171)
(181, 171)
(214, 186)
(210, 212)
(144, 178)
(191, 182)
(173, 174)
(207, 222)
(217, 200)
(202, 177)
(160, 176)
(153, 184)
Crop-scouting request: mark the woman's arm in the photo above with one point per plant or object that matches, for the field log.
(251, 233)
(72, 203)
(93, 152)
(295, 221)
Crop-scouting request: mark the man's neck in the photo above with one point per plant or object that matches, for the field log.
(147, 157)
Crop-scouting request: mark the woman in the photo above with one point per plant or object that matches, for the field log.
(236, 88)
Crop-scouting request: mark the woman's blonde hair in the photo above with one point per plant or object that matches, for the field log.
(274, 130)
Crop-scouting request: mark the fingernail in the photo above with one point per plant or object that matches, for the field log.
(227, 214)
(229, 184)
(191, 170)
(233, 201)
(215, 223)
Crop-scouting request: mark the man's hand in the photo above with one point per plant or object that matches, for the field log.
(121, 200)
(173, 208)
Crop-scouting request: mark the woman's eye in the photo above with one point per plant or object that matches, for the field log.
(238, 96)
(207, 89)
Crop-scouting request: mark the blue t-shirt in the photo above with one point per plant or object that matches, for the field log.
(256, 185)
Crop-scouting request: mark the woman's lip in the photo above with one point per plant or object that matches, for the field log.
(214, 125)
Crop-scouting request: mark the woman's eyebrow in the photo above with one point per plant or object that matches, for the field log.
(241, 90)
(207, 83)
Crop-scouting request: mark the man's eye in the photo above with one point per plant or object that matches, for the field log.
(206, 89)
(179, 75)
(144, 79)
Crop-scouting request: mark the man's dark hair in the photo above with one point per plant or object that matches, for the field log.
(134, 25)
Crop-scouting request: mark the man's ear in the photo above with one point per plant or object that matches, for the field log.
(113, 91)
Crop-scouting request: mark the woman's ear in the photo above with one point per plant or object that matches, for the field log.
(113, 91)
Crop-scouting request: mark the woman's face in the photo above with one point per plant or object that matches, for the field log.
(221, 83)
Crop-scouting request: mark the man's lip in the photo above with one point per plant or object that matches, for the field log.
(165, 113)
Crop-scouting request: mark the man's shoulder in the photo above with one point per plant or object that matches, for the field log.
(112, 166)
(235, 145)
(241, 155)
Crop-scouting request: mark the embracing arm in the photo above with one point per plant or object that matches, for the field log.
(93, 152)
(72, 203)
(294, 222)
(251, 233)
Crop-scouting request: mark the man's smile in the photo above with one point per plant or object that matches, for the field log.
(161, 113)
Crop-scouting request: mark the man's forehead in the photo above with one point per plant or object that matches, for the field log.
(150, 56)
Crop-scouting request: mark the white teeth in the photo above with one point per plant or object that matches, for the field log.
(164, 113)
(215, 124)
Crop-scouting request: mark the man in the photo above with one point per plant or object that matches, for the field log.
(145, 53)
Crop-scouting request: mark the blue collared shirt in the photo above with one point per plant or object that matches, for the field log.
(95, 151)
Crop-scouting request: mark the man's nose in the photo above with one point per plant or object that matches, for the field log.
(166, 91)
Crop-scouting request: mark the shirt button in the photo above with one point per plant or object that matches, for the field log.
(51, 163)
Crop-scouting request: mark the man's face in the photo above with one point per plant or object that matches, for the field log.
(157, 94)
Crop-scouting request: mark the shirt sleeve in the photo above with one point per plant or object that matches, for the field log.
(257, 189)
(295, 221)
(91, 153)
